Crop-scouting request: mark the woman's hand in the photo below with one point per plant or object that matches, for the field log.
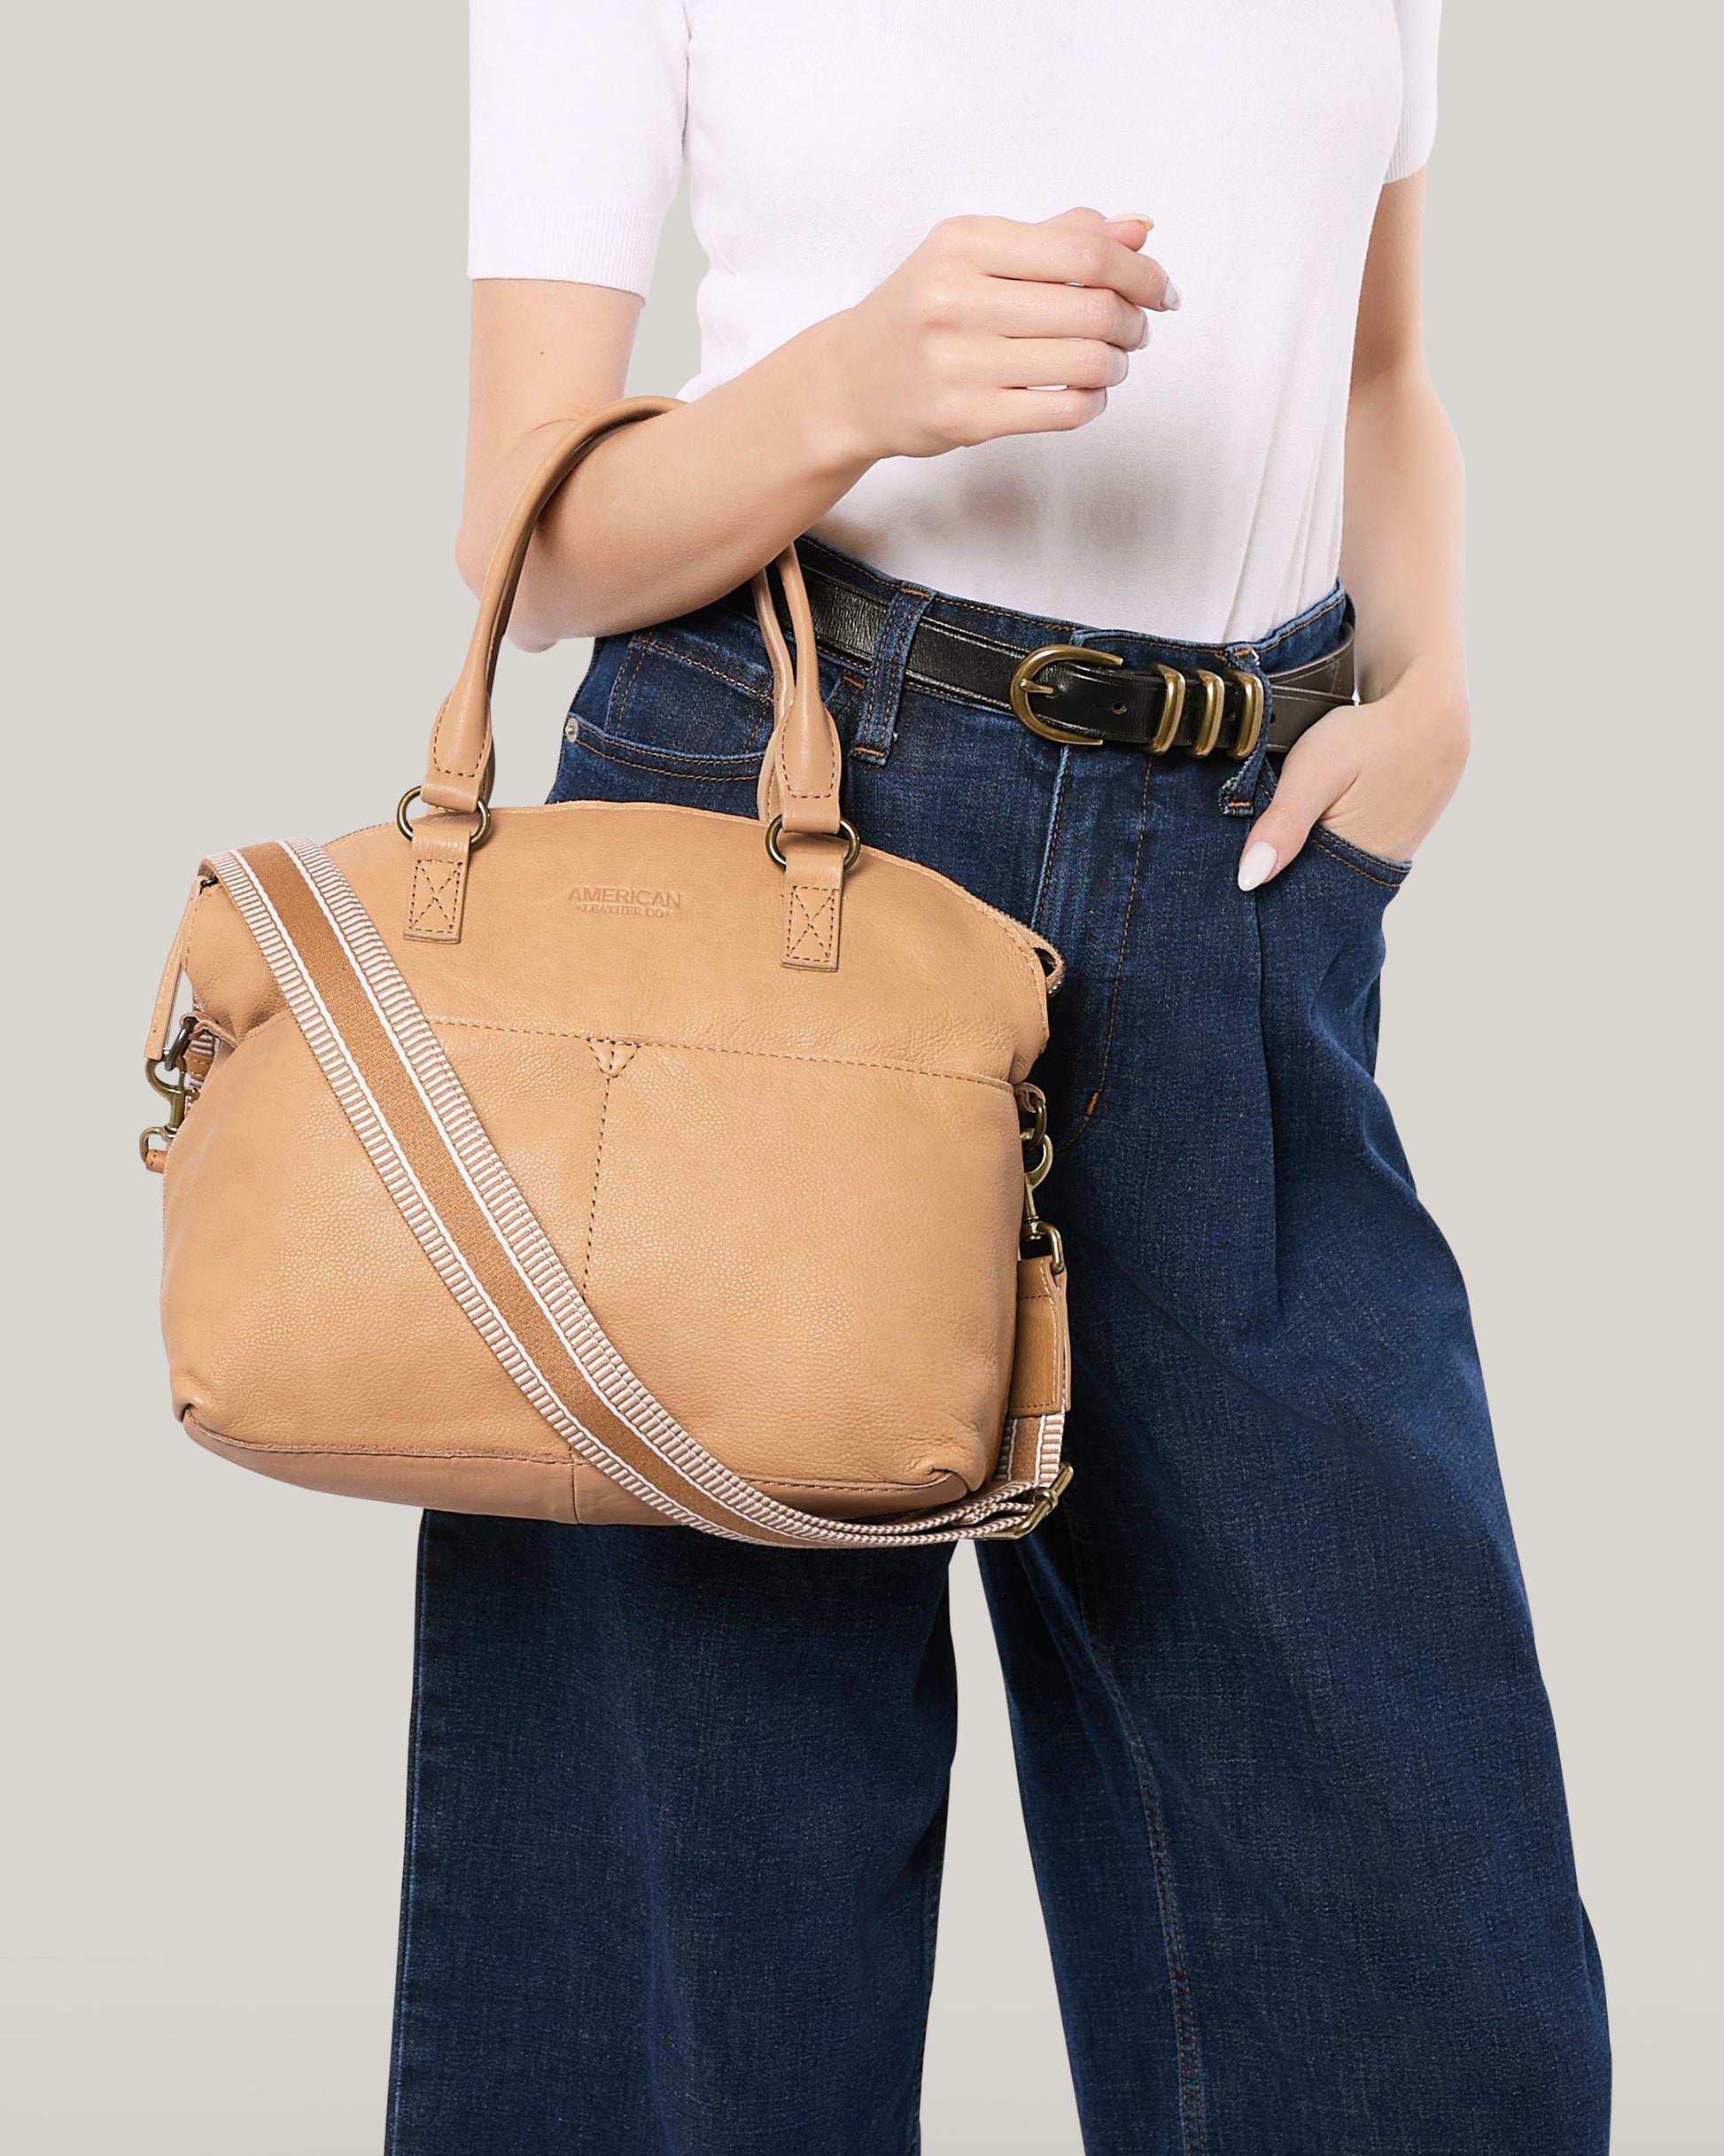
(961, 342)
(1378, 775)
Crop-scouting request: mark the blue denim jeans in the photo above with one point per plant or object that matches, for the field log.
(678, 1805)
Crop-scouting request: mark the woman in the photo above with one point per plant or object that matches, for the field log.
(678, 1805)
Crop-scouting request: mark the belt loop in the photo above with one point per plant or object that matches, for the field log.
(1238, 792)
(878, 713)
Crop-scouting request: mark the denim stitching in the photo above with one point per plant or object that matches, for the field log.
(883, 684)
(1053, 842)
(759, 690)
(685, 764)
(631, 758)
(633, 658)
(1094, 1101)
(1192, 2132)
(1375, 867)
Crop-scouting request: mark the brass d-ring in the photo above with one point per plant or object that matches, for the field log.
(1251, 716)
(1173, 709)
(404, 825)
(846, 831)
(1208, 727)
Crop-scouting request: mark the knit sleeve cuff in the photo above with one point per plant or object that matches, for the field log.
(1412, 146)
(581, 245)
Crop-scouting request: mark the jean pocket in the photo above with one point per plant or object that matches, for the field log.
(659, 702)
(688, 701)
(1379, 867)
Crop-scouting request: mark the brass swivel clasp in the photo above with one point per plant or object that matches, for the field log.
(1038, 1159)
(167, 1075)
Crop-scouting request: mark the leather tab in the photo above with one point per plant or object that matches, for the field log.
(1041, 1360)
(161, 1015)
(436, 890)
(813, 901)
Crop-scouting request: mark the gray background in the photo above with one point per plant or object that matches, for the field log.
(235, 388)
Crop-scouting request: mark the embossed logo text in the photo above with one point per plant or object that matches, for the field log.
(625, 899)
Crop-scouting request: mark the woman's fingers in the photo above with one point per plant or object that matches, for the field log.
(1066, 362)
(1043, 411)
(1315, 773)
(1128, 233)
(1013, 308)
(991, 327)
(1076, 248)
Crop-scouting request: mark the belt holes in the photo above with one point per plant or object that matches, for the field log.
(1119, 711)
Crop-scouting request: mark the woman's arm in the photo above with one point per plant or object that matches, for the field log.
(1382, 774)
(674, 512)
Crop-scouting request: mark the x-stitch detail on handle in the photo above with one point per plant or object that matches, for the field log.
(436, 893)
(806, 922)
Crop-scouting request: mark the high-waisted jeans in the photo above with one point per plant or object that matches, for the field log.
(678, 1805)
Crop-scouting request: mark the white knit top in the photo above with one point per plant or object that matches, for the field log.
(824, 137)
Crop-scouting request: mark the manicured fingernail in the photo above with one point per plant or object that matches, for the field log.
(1171, 297)
(1258, 864)
(1137, 217)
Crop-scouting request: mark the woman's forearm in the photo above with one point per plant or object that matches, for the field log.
(671, 513)
(955, 347)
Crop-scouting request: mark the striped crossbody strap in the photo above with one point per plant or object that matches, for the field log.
(410, 1111)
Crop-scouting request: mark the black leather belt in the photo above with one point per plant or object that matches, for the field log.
(1087, 698)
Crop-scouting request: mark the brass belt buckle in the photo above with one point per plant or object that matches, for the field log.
(1025, 685)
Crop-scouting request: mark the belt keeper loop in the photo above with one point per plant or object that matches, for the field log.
(883, 687)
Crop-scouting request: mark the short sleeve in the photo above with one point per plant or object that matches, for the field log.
(576, 140)
(1418, 21)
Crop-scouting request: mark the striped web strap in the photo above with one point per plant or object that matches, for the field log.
(410, 1111)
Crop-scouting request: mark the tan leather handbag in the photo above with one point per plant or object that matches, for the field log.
(609, 1163)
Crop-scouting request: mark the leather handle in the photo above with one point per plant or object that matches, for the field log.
(802, 771)
(458, 770)
(803, 767)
